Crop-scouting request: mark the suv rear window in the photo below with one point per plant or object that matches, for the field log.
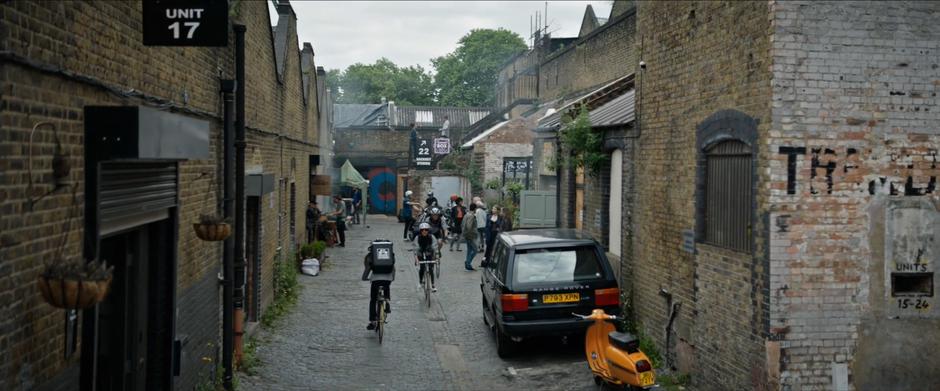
(566, 264)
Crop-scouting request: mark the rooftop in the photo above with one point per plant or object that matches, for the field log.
(527, 237)
(388, 114)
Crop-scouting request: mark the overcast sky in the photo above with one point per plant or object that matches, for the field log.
(413, 32)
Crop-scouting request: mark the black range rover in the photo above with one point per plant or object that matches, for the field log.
(538, 278)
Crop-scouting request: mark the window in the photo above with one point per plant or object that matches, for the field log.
(728, 195)
(424, 117)
(571, 264)
(516, 169)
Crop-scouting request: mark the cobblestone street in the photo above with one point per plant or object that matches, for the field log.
(324, 345)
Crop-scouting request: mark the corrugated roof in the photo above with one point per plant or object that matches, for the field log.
(618, 111)
(348, 115)
(433, 117)
(483, 135)
(552, 121)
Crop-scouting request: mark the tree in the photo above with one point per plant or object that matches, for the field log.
(369, 83)
(467, 76)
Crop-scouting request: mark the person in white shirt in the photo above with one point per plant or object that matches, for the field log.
(445, 128)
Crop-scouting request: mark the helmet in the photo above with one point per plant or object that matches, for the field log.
(453, 197)
(408, 193)
(435, 211)
(430, 194)
(424, 226)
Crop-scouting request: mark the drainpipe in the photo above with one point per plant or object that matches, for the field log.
(239, 291)
(228, 253)
(558, 184)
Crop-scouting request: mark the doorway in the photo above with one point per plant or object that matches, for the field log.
(133, 348)
(614, 204)
(253, 258)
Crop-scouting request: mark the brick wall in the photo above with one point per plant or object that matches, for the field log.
(603, 55)
(60, 57)
(855, 129)
(702, 57)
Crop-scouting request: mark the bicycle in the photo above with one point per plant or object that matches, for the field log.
(380, 322)
(427, 276)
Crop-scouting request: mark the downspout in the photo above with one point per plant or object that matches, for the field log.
(228, 253)
(557, 183)
(239, 267)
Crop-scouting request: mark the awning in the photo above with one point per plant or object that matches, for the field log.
(617, 112)
(349, 176)
(483, 135)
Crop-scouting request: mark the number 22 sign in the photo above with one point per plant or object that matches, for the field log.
(185, 22)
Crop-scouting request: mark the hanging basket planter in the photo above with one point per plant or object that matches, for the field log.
(212, 229)
(75, 286)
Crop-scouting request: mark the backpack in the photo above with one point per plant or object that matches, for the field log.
(469, 228)
(383, 256)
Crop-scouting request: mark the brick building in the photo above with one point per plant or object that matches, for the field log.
(60, 60)
(786, 208)
(375, 138)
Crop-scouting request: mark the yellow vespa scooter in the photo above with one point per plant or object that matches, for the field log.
(615, 357)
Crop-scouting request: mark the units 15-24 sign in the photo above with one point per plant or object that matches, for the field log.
(185, 22)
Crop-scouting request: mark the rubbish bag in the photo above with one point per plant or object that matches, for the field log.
(310, 267)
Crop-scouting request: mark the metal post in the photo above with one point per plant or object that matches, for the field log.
(228, 253)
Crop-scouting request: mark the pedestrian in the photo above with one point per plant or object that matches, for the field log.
(431, 200)
(507, 219)
(494, 224)
(357, 204)
(408, 211)
(413, 143)
(312, 218)
(469, 230)
(481, 222)
(456, 217)
(339, 213)
(445, 128)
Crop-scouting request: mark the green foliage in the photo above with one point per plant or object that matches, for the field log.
(319, 247)
(583, 144)
(492, 184)
(250, 359)
(369, 83)
(286, 291)
(467, 76)
(514, 188)
(673, 381)
(462, 161)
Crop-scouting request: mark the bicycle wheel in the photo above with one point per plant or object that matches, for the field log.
(437, 270)
(380, 327)
(427, 285)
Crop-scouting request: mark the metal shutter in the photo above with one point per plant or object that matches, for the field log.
(135, 193)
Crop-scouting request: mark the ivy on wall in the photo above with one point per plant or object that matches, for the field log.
(584, 146)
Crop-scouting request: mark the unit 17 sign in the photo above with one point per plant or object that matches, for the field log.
(185, 22)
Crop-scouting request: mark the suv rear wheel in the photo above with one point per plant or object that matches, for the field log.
(505, 347)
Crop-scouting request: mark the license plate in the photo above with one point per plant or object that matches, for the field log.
(646, 378)
(561, 298)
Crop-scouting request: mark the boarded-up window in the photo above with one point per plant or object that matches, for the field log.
(728, 197)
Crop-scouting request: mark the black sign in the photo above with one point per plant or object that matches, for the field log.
(185, 22)
(423, 157)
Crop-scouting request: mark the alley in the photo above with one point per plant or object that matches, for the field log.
(323, 343)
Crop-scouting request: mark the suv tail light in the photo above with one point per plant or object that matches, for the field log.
(515, 302)
(605, 297)
(643, 366)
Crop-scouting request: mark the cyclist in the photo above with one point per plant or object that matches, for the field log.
(426, 247)
(431, 200)
(380, 279)
(438, 229)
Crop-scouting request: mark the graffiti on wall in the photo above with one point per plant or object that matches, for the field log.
(906, 171)
(382, 188)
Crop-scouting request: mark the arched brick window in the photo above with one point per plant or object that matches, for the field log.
(726, 181)
(728, 195)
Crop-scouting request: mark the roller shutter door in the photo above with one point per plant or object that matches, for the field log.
(135, 193)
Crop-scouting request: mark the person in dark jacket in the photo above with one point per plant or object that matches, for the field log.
(313, 217)
(379, 280)
(494, 225)
(456, 219)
